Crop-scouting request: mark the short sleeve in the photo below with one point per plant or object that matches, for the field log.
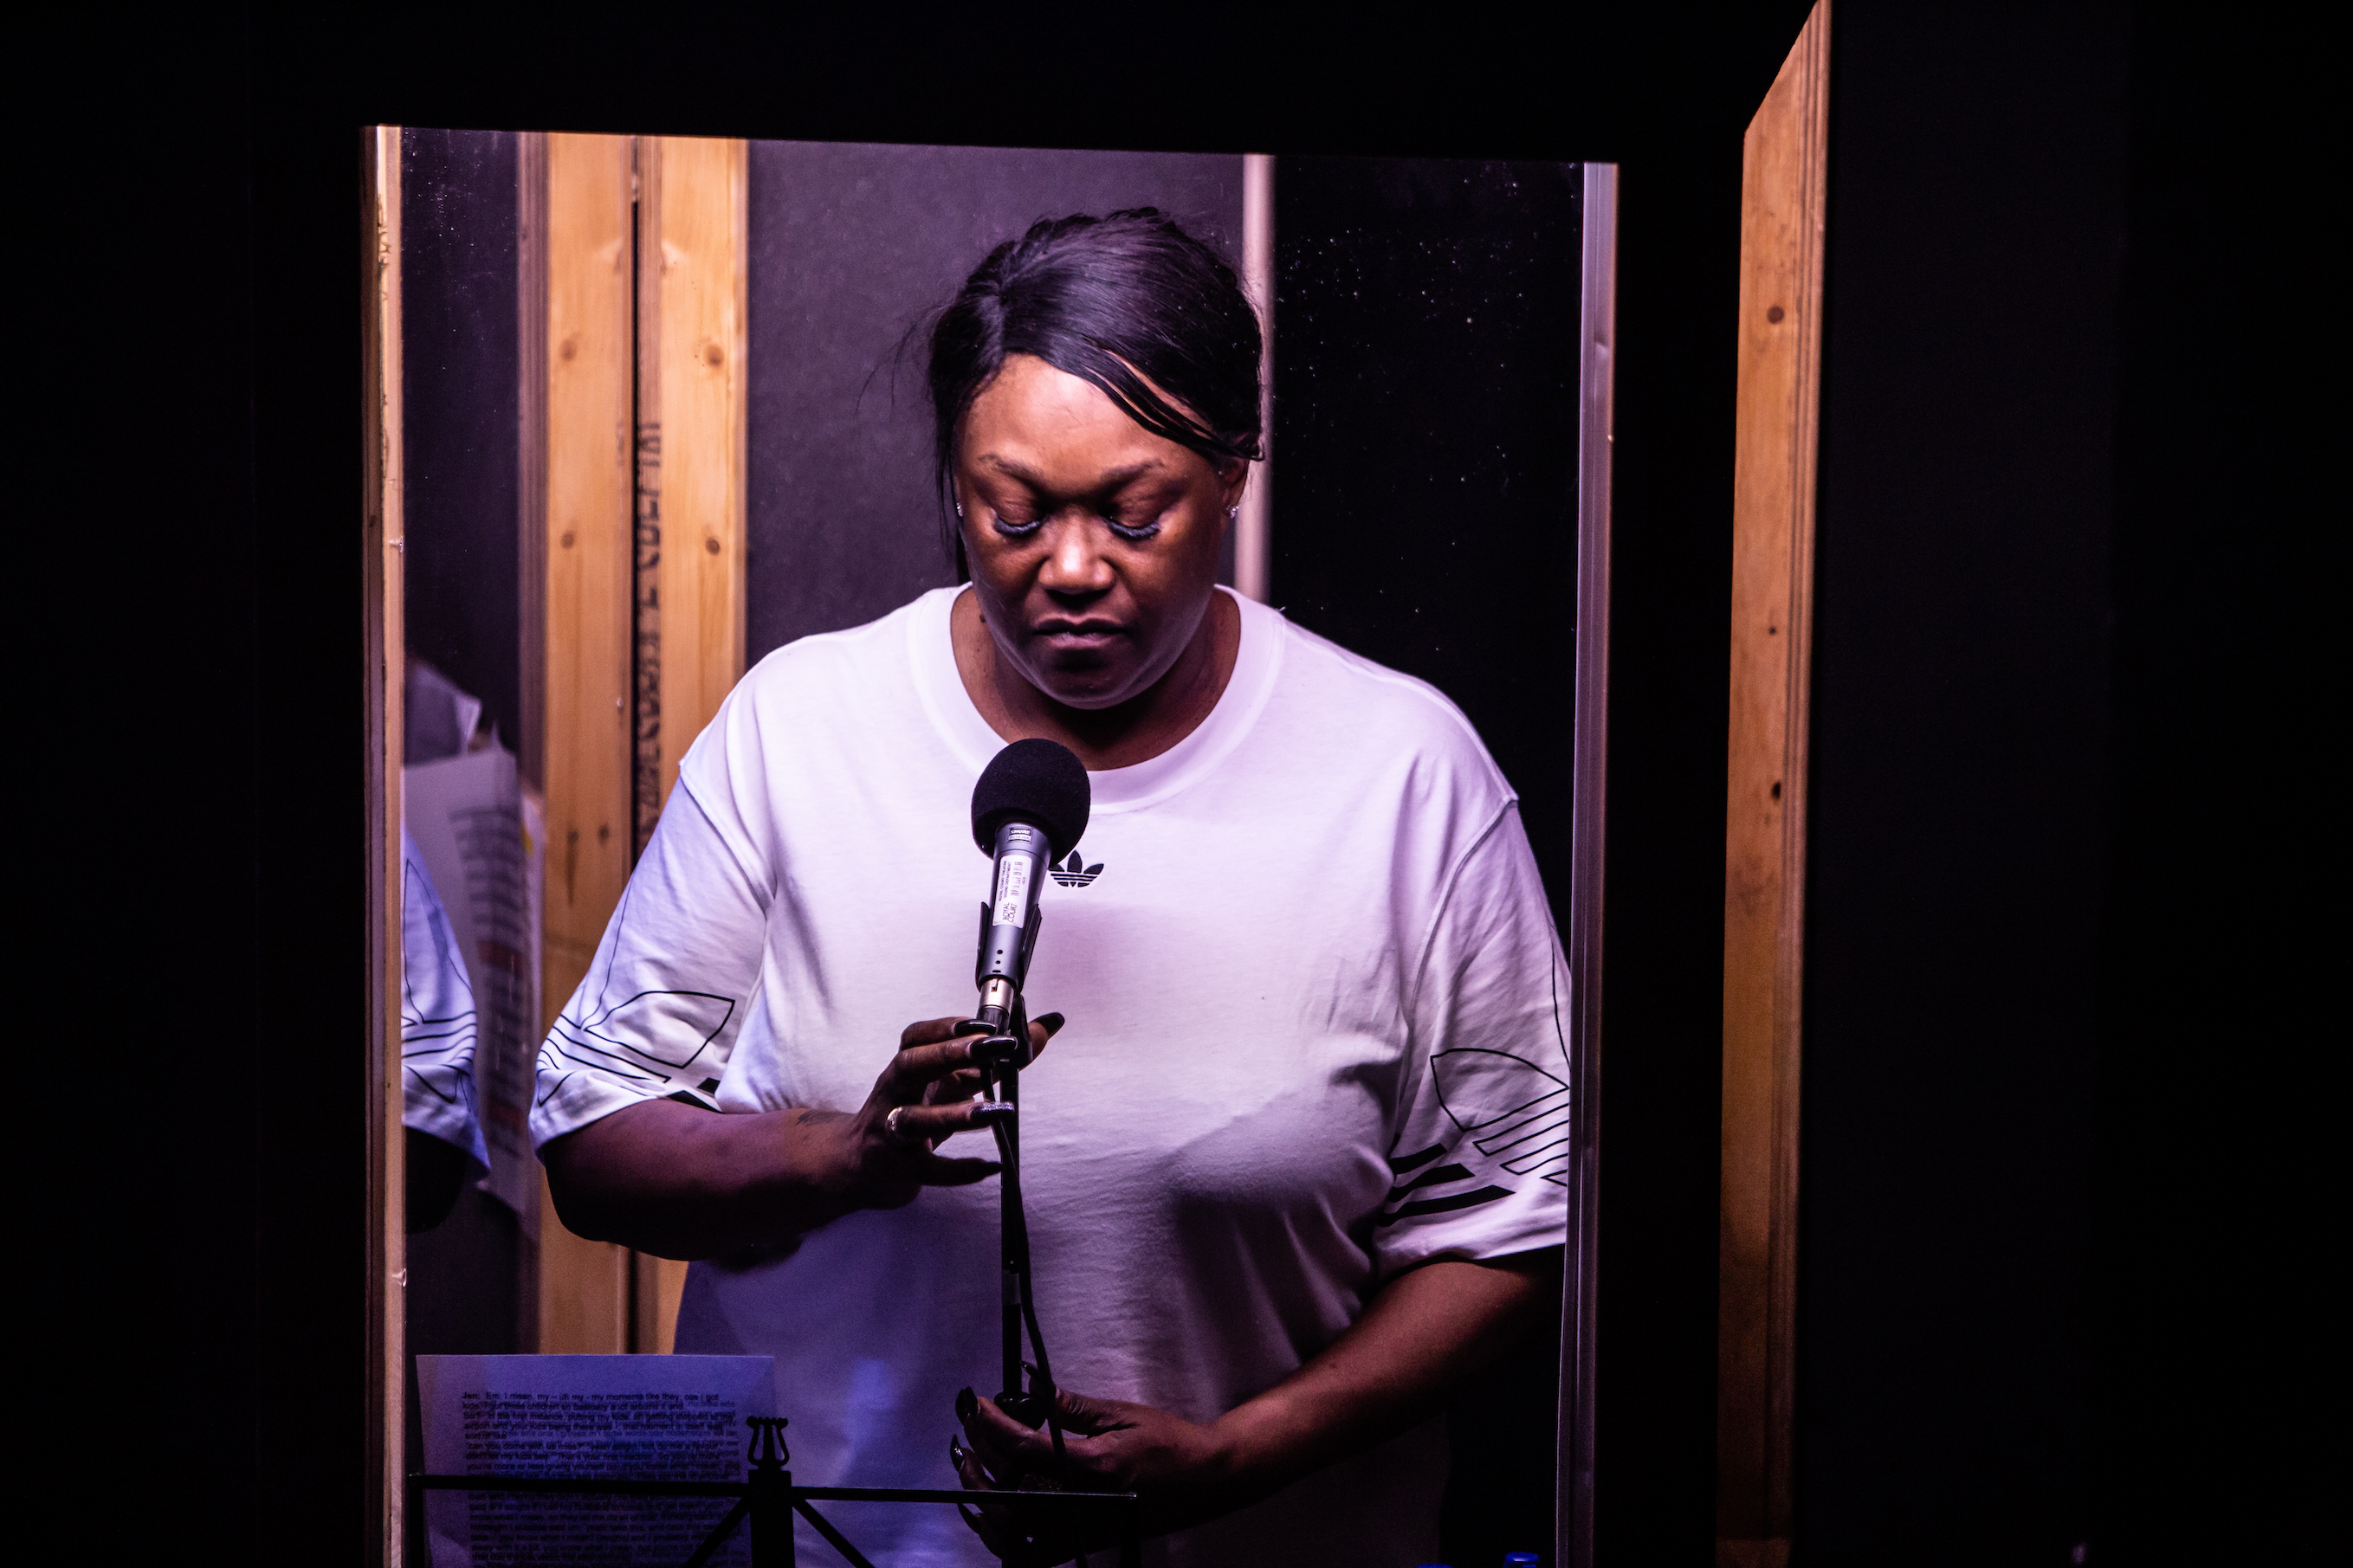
(437, 1024)
(1481, 1157)
(665, 997)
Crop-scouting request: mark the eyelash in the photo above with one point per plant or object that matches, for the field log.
(1012, 529)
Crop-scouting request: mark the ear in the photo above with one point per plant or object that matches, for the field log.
(1233, 479)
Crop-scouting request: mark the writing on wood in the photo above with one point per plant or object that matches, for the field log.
(587, 479)
(693, 248)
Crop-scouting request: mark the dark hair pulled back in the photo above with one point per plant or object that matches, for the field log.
(1104, 299)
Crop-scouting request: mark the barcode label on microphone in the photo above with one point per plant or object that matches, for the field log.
(1012, 890)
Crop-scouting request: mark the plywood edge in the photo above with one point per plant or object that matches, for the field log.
(382, 540)
(1783, 170)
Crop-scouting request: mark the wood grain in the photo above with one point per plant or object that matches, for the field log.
(584, 1301)
(1784, 160)
(693, 277)
(383, 539)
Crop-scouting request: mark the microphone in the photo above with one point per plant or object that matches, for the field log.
(1028, 810)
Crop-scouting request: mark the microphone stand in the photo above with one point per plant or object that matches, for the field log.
(1007, 1018)
(1004, 1013)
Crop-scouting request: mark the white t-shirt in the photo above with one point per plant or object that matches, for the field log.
(1314, 1036)
(438, 1033)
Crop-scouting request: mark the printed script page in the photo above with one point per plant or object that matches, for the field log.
(640, 1417)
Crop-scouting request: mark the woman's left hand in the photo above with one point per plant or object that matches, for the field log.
(1423, 1332)
(1183, 1471)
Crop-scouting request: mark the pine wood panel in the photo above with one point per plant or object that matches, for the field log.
(1783, 173)
(383, 538)
(660, 1283)
(694, 275)
(583, 1285)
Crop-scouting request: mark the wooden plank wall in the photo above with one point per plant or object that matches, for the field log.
(584, 1301)
(647, 268)
(1784, 161)
(693, 274)
(382, 663)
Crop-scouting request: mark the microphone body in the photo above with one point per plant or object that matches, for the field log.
(1010, 920)
(1030, 807)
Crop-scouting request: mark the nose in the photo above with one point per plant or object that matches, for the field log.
(1075, 566)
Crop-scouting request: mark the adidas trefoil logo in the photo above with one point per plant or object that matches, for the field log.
(1074, 873)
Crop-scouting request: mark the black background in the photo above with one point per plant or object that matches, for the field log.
(1960, 793)
(2137, 1225)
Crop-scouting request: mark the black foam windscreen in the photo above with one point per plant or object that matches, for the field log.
(1039, 782)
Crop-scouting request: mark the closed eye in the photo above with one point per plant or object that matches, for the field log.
(1017, 527)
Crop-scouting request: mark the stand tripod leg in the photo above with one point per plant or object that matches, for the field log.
(850, 1554)
(718, 1537)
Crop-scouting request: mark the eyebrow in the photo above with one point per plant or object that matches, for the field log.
(1115, 480)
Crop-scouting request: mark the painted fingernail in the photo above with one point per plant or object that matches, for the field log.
(967, 1403)
(1050, 1022)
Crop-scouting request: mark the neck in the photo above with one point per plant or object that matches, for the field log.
(1120, 735)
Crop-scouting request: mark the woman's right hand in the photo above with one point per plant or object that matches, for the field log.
(679, 1181)
(884, 1152)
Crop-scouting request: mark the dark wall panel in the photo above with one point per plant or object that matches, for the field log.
(853, 246)
(1958, 826)
(1426, 360)
(459, 407)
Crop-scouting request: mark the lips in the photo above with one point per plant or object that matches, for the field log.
(1077, 634)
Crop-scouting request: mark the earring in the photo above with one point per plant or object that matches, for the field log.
(1233, 514)
(959, 506)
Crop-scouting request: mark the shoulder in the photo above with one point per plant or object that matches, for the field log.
(1341, 705)
(815, 696)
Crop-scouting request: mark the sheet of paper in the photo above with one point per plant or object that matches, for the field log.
(469, 819)
(648, 1417)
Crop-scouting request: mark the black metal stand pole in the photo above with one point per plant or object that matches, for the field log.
(771, 1495)
(767, 1499)
(1012, 1249)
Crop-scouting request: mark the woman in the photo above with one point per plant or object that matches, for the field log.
(1286, 1166)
